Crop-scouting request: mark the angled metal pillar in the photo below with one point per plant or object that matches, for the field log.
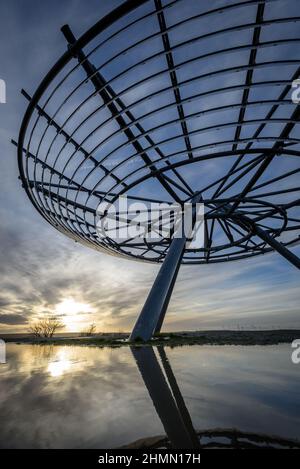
(171, 411)
(153, 313)
(169, 294)
(166, 303)
(156, 304)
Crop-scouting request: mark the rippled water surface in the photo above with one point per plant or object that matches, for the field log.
(88, 397)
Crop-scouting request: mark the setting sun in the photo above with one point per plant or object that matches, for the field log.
(70, 312)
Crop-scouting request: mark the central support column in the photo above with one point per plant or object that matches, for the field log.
(153, 313)
(160, 293)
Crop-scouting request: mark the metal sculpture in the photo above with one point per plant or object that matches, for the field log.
(183, 100)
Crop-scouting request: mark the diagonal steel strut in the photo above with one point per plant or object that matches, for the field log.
(264, 235)
(106, 93)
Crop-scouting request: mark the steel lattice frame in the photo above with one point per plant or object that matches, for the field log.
(181, 100)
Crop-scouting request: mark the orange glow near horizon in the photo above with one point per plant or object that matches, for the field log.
(70, 312)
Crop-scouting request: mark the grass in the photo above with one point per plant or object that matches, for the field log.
(177, 339)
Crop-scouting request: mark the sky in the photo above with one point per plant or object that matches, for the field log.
(43, 272)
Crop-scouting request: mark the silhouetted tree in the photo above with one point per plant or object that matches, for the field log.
(90, 331)
(45, 327)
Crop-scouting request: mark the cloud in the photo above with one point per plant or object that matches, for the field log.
(12, 319)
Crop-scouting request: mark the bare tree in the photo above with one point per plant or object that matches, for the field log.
(45, 327)
(91, 330)
(35, 329)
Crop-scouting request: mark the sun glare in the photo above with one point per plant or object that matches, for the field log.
(70, 312)
(60, 365)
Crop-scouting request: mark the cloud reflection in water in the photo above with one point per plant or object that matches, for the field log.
(87, 397)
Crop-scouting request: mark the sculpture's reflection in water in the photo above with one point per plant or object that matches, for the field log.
(168, 401)
(166, 397)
